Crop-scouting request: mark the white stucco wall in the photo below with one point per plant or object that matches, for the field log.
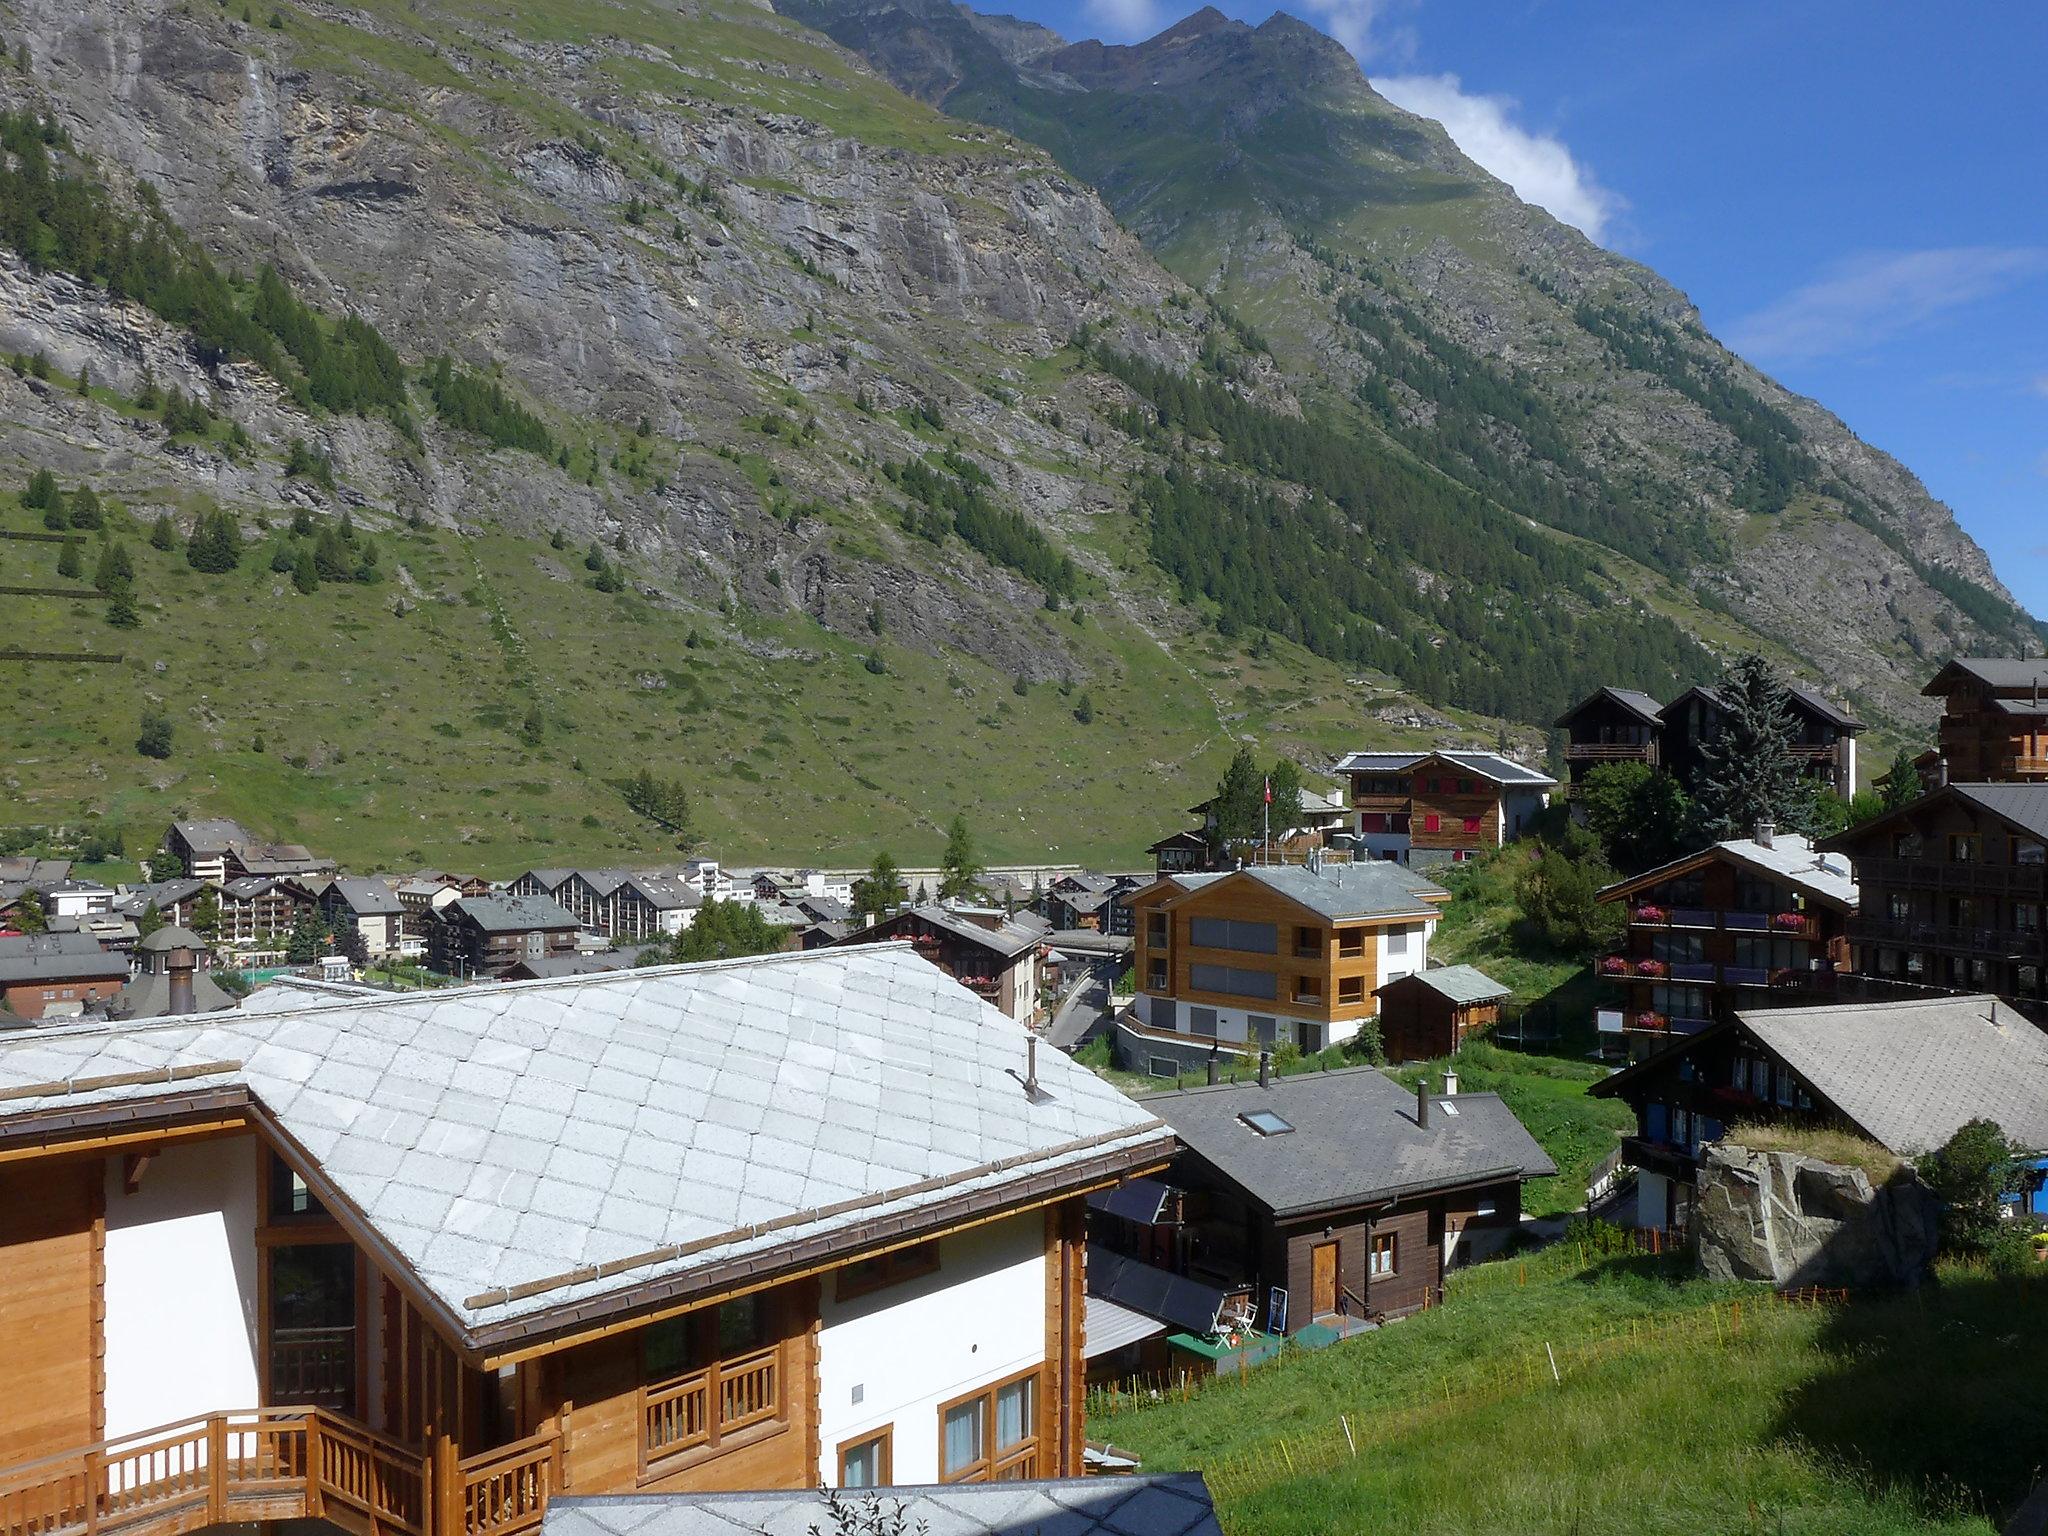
(910, 1347)
(181, 1285)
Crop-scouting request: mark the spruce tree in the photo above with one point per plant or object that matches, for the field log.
(164, 535)
(69, 565)
(151, 920)
(86, 511)
(1747, 771)
(961, 870)
(121, 609)
(1239, 807)
(880, 890)
(305, 573)
(115, 570)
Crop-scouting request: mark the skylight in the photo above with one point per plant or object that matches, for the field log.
(1446, 1106)
(1265, 1122)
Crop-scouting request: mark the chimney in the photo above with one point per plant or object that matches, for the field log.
(1265, 1069)
(1450, 1084)
(1212, 1069)
(1765, 831)
(178, 965)
(1422, 1104)
(1031, 1066)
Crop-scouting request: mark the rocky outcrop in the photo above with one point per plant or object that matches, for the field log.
(1794, 1220)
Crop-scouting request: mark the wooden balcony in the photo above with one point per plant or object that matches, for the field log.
(1960, 877)
(1985, 942)
(1611, 752)
(700, 1411)
(266, 1464)
(314, 1366)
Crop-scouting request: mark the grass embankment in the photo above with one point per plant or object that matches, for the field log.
(1674, 1410)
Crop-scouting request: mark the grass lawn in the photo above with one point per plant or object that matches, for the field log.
(1674, 1412)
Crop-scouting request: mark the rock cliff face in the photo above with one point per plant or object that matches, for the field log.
(1792, 1221)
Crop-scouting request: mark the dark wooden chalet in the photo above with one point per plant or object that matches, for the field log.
(1432, 1012)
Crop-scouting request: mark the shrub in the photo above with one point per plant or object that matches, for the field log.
(154, 737)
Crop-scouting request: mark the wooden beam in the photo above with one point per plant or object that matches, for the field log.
(134, 1166)
(141, 1136)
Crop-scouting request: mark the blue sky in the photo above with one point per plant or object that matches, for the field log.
(1855, 195)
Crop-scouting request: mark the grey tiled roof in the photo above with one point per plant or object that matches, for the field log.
(212, 834)
(1634, 700)
(148, 996)
(1790, 857)
(503, 1136)
(366, 897)
(1820, 704)
(58, 957)
(1460, 983)
(136, 898)
(1912, 1073)
(170, 937)
(1375, 888)
(1488, 765)
(1354, 1139)
(2008, 673)
(2025, 805)
(512, 914)
(1158, 1504)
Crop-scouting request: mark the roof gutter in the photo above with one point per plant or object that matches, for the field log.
(1395, 1192)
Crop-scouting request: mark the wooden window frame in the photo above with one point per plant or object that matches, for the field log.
(1350, 990)
(1387, 1243)
(994, 1463)
(898, 1266)
(1350, 943)
(887, 1436)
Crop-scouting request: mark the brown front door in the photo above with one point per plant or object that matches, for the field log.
(1323, 1280)
(47, 1336)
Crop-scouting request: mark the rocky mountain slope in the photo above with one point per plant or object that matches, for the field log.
(1260, 166)
(851, 462)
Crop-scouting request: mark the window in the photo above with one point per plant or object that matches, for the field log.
(2026, 851)
(1383, 1255)
(1351, 942)
(1308, 942)
(1371, 822)
(866, 1463)
(991, 1436)
(290, 1199)
(1396, 942)
(1265, 1122)
(1472, 823)
(1964, 848)
(1229, 933)
(886, 1269)
(1230, 979)
(1907, 845)
(1155, 929)
(1432, 822)
(1898, 907)
(1308, 989)
(1464, 786)
(1351, 989)
(1261, 1027)
(677, 1346)
(1155, 975)
(1202, 1021)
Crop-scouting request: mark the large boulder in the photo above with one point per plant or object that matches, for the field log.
(1795, 1220)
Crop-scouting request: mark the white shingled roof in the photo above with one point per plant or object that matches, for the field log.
(1911, 1074)
(506, 1136)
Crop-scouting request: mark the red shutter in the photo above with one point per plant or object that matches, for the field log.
(1472, 823)
(1432, 822)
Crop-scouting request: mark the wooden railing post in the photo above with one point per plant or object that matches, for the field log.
(217, 1468)
(94, 1466)
(314, 1502)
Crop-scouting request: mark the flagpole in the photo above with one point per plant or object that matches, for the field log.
(1266, 810)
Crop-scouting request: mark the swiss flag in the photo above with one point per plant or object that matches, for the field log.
(1269, 790)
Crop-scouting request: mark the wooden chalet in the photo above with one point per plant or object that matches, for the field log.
(222, 849)
(1994, 721)
(1906, 1074)
(990, 954)
(1440, 807)
(1611, 725)
(1432, 1012)
(1952, 891)
(1269, 954)
(1823, 742)
(416, 1264)
(1330, 1196)
(1752, 922)
(488, 935)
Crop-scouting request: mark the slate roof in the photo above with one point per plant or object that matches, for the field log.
(651, 1120)
(1010, 940)
(366, 897)
(1459, 983)
(1911, 1074)
(1339, 892)
(1487, 765)
(499, 913)
(2025, 805)
(2000, 673)
(72, 956)
(1156, 1504)
(136, 898)
(1790, 857)
(148, 996)
(1354, 1140)
(25, 870)
(211, 834)
(170, 937)
(1634, 700)
(1823, 706)
(549, 880)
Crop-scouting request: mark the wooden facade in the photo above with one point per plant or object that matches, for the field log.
(719, 1393)
(1418, 1022)
(1994, 721)
(1610, 726)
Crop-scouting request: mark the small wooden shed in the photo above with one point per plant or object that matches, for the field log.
(1431, 1013)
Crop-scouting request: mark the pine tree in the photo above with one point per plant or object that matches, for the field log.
(1238, 811)
(28, 913)
(86, 511)
(114, 570)
(308, 938)
(961, 870)
(154, 737)
(1901, 781)
(69, 565)
(1747, 771)
(164, 535)
(1285, 811)
(152, 919)
(206, 913)
(42, 492)
(305, 572)
(880, 891)
(121, 609)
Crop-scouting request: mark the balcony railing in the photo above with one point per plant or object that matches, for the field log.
(1611, 752)
(1959, 875)
(703, 1408)
(1650, 1022)
(1991, 943)
(1789, 925)
(316, 1366)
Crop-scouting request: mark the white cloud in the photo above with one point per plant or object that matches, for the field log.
(1539, 166)
(1870, 297)
(1125, 21)
(2039, 385)
(1363, 27)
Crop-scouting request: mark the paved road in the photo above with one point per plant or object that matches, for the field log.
(1085, 1006)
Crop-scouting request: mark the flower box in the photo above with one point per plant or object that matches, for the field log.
(1649, 1020)
(1614, 965)
(1651, 913)
(1790, 922)
(1652, 968)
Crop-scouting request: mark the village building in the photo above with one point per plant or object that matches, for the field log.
(1440, 807)
(1994, 722)
(419, 900)
(992, 955)
(1183, 852)
(1623, 725)
(616, 903)
(1325, 1198)
(1610, 725)
(1751, 922)
(1271, 954)
(258, 912)
(369, 908)
(174, 900)
(57, 975)
(74, 898)
(1907, 1075)
(1432, 1012)
(657, 1230)
(1951, 894)
(488, 935)
(171, 977)
(222, 849)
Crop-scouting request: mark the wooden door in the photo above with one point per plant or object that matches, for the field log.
(1323, 1280)
(49, 1258)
